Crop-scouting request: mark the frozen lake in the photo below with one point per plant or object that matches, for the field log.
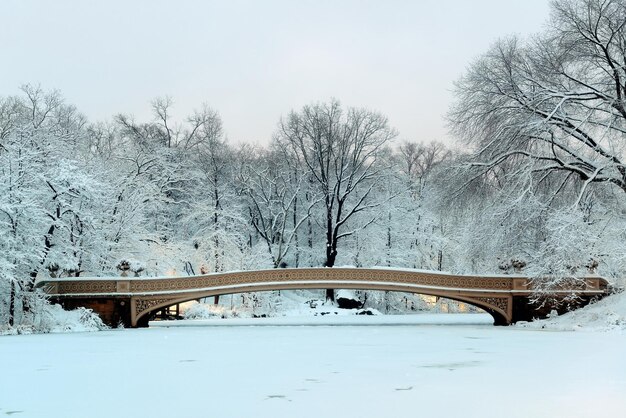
(419, 365)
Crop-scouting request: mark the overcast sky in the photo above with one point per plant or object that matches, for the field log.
(254, 61)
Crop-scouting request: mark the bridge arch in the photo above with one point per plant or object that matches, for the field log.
(495, 306)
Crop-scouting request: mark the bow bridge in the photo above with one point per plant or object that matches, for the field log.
(133, 301)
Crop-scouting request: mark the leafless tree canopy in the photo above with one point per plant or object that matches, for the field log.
(555, 103)
(340, 149)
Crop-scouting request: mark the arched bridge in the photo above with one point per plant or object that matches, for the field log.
(132, 301)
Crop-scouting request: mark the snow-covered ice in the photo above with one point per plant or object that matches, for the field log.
(410, 367)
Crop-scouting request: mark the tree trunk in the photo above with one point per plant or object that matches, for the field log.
(440, 260)
(295, 223)
(12, 305)
(310, 238)
(331, 255)
(389, 240)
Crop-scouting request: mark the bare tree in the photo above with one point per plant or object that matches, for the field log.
(417, 160)
(273, 188)
(555, 104)
(340, 149)
(215, 158)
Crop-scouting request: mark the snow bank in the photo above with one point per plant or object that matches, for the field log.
(54, 319)
(210, 311)
(608, 314)
(320, 307)
(292, 306)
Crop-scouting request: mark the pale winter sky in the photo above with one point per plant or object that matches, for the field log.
(254, 61)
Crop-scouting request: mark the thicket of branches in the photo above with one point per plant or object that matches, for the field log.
(545, 121)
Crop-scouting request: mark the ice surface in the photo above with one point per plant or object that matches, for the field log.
(383, 369)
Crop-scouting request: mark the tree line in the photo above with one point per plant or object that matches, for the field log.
(166, 195)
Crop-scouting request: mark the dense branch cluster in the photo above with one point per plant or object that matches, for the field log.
(553, 105)
(544, 120)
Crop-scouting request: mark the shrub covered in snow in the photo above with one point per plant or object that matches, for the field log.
(608, 314)
(53, 318)
(56, 319)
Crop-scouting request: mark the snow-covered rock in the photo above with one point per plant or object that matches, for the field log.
(347, 299)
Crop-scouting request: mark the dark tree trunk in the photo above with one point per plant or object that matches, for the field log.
(389, 241)
(295, 237)
(12, 305)
(331, 255)
(216, 240)
(440, 260)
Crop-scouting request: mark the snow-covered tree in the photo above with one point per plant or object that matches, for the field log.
(340, 150)
(273, 188)
(544, 120)
(554, 102)
(50, 198)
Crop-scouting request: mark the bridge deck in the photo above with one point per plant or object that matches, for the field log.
(494, 293)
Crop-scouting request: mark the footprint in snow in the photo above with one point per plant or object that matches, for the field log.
(452, 366)
(277, 397)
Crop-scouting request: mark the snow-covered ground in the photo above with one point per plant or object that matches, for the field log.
(608, 314)
(462, 367)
